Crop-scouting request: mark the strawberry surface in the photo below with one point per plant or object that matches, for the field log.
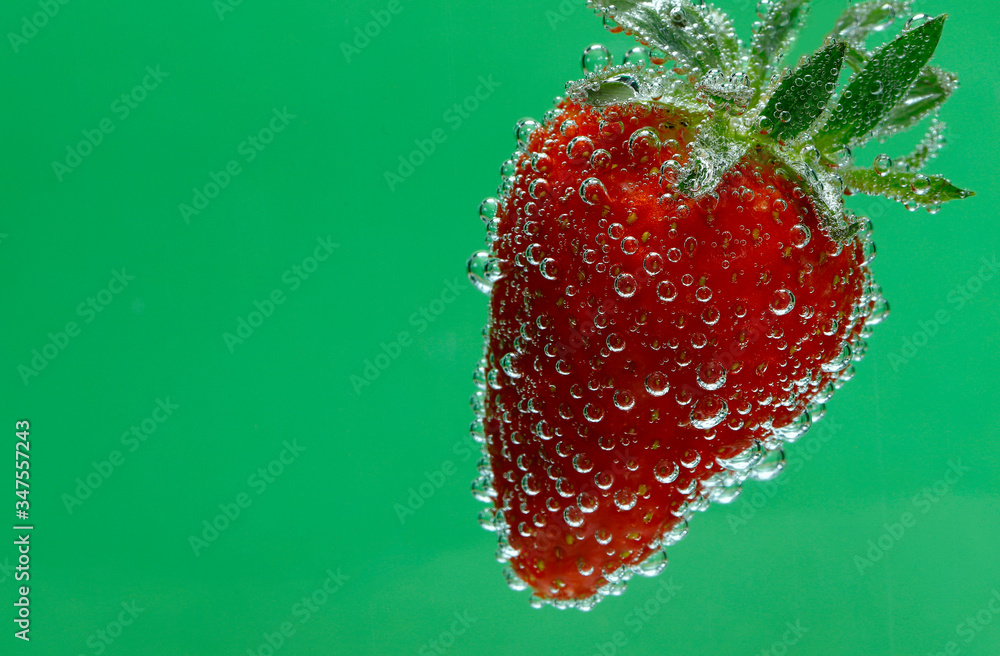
(641, 338)
(675, 286)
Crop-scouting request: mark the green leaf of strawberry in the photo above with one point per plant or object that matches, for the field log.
(696, 38)
(773, 36)
(913, 188)
(803, 95)
(924, 98)
(873, 93)
(675, 288)
(860, 20)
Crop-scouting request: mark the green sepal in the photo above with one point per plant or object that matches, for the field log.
(873, 93)
(862, 19)
(696, 38)
(928, 147)
(804, 93)
(773, 36)
(909, 188)
(611, 93)
(926, 96)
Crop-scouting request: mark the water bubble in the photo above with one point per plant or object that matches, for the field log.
(690, 459)
(541, 162)
(703, 294)
(573, 516)
(539, 188)
(920, 184)
(616, 231)
(582, 463)
(615, 342)
(625, 285)
(476, 268)
(708, 412)
(569, 128)
(666, 471)
(523, 130)
(530, 484)
(657, 384)
(782, 302)
(534, 253)
(595, 58)
(674, 255)
(593, 412)
(770, 465)
(637, 56)
(711, 375)
(840, 362)
(509, 366)
(600, 159)
(643, 144)
(666, 290)
(579, 148)
(604, 480)
(744, 460)
(916, 21)
(799, 235)
(630, 245)
(587, 502)
(602, 536)
(625, 499)
(488, 209)
(654, 564)
(549, 269)
(653, 263)
(565, 487)
(624, 400)
(592, 191)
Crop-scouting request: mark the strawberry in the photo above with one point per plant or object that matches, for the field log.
(675, 286)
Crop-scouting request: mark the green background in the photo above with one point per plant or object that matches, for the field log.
(784, 552)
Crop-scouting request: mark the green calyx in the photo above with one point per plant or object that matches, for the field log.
(796, 114)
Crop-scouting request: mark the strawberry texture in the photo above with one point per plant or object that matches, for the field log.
(648, 351)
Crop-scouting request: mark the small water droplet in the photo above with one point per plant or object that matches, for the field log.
(799, 235)
(624, 400)
(573, 516)
(579, 148)
(653, 263)
(666, 290)
(711, 375)
(595, 58)
(637, 56)
(509, 366)
(920, 185)
(782, 302)
(592, 191)
(476, 268)
(593, 412)
(549, 269)
(625, 285)
(625, 499)
(523, 130)
(488, 209)
(708, 412)
(666, 471)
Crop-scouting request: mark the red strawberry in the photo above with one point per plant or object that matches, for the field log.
(675, 289)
